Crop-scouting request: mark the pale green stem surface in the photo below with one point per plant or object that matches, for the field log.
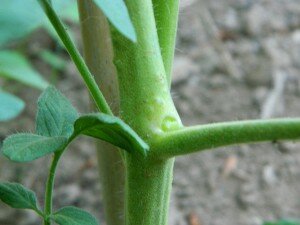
(166, 17)
(98, 55)
(197, 138)
(76, 57)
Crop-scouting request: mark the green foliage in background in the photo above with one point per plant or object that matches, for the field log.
(117, 13)
(283, 222)
(11, 106)
(27, 16)
(18, 19)
(15, 66)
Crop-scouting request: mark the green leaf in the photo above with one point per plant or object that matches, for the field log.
(73, 216)
(28, 16)
(117, 13)
(17, 196)
(20, 14)
(27, 147)
(10, 106)
(283, 222)
(67, 9)
(112, 130)
(53, 60)
(56, 115)
(15, 66)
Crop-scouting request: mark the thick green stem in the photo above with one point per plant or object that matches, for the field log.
(166, 16)
(197, 138)
(98, 55)
(76, 57)
(148, 188)
(146, 105)
(49, 188)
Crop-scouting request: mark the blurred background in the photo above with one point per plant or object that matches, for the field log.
(235, 59)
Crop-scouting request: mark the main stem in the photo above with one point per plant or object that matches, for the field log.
(148, 188)
(146, 105)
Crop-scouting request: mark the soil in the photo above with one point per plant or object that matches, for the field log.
(235, 59)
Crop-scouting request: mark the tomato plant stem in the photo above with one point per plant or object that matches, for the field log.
(148, 188)
(146, 105)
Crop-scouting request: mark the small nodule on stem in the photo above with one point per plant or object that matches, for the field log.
(169, 123)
